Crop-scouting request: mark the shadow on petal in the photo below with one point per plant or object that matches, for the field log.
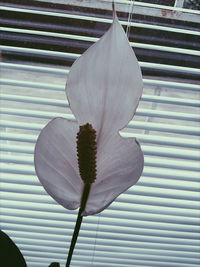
(56, 163)
(119, 166)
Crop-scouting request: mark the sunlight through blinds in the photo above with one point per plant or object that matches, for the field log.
(157, 221)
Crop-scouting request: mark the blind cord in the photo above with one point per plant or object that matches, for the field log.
(95, 242)
(130, 15)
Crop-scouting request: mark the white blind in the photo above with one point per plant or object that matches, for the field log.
(154, 223)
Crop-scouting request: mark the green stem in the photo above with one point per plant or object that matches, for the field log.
(85, 195)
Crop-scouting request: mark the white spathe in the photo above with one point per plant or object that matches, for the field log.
(104, 88)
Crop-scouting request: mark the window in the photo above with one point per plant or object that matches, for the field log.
(154, 223)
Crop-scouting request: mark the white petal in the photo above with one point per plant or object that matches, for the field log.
(119, 166)
(105, 84)
(56, 164)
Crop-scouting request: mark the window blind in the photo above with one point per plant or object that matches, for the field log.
(154, 223)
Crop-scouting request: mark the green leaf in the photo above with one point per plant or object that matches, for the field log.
(10, 253)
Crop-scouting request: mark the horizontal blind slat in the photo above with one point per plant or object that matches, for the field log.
(139, 112)
(156, 222)
(149, 161)
(191, 130)
(94, 39)
(73, 56)
(136, 199)
(153, 139)
(148, 150)
(98, 19)
(119, 258)
(64, 72)
(60, 230)
(64, 103)
(139, 189)
(10, 176)
(87, 241)
(86, 238)
(17, 201)
(110, 249)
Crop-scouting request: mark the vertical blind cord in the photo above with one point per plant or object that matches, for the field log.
(95, 242)
(130, 15)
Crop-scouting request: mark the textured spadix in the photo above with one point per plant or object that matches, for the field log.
(103, 88)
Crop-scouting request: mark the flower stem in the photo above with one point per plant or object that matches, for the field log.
(86, 191)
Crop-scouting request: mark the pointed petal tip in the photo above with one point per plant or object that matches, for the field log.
(109, 67)
(113, 8)
(115, 18)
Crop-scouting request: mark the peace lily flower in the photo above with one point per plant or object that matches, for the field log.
(104, 87)
(86, 163)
